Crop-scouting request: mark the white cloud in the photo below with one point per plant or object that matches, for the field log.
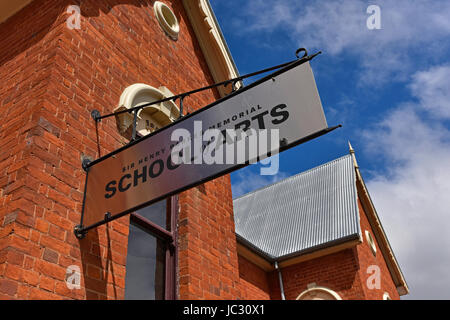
(432, 88)
(411, 30)
(412, 197)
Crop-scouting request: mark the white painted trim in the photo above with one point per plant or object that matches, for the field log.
(312, 288)
(212, 43)
(167, 19)
(138, 94)
(380, 235)
(371, 242)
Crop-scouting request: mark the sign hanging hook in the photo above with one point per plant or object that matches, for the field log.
(301, 50)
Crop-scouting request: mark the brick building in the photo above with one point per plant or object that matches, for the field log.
(315, 235)
(59, 61)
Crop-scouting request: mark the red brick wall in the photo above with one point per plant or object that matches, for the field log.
(254, 281)
(344, 272)
(337, 271)
(26, 248)
(367, 259)
(207, 242)
(50, 80)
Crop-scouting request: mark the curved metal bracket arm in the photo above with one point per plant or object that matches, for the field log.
(305, 57)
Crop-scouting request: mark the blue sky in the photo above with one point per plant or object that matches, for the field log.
(389, 88)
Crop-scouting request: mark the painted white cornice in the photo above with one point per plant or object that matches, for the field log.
(212, 42)
(379, 233)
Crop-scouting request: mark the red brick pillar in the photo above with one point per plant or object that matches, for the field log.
(51, 79)
(208, 262)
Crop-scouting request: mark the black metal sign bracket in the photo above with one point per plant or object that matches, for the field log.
(80, 231)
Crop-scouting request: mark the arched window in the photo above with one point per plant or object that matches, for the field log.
(150, 118)
(318, 293)
(371, 243)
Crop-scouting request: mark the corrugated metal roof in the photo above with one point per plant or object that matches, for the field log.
(311, 209)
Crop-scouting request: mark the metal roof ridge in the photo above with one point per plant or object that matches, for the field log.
(294, 176)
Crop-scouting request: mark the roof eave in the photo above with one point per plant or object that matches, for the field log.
(303, 255)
